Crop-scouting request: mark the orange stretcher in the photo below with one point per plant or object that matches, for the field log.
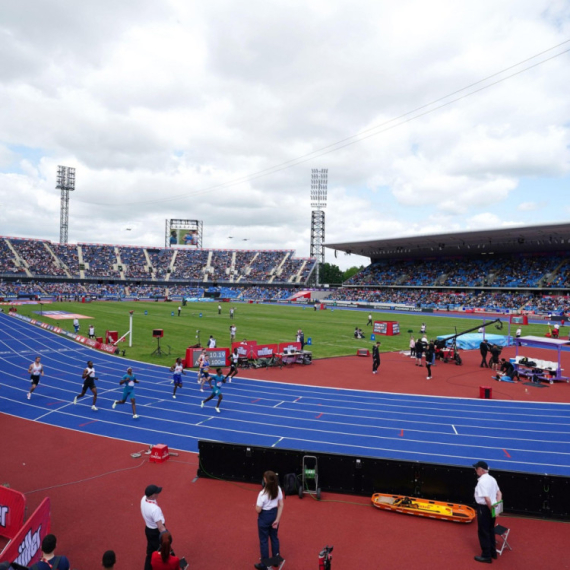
(424, 507)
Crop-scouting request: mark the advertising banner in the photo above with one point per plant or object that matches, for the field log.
(25, 548)
(245, 348)
(267, 350)
(289, 347)
(12, 506)
(380, 327)
(216, 356)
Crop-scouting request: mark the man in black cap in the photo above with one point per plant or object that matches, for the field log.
(154, 521)
(487, 493)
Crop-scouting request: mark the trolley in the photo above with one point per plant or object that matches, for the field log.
(310, 477)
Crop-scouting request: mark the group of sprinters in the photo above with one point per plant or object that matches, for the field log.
(128, 381)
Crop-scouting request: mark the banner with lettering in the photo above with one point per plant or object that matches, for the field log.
(290, 347)
(25, 548)
(245, 348)
(267, 350)
(12, 507)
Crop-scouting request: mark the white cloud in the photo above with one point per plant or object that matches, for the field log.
(530, 206)
(159, 105)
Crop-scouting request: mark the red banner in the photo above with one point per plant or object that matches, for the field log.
(245, 348)
(267, 350)
(12, 506)
(25, 548)
(289, 347)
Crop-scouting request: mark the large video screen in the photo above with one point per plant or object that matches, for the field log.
(184, 237)
(184, 232)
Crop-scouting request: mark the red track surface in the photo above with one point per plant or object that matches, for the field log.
(95, 488)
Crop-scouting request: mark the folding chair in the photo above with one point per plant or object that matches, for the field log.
(276, 562)
(503, 532)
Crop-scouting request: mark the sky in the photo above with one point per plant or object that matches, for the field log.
(422, 112)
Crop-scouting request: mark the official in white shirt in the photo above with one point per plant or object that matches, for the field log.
(153, 520)
(487, 493)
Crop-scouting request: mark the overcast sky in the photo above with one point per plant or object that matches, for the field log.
(183, 109)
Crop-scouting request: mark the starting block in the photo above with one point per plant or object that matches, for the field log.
(159, 453)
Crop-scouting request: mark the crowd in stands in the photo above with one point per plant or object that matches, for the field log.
(492, 271)
(100, 261)
(134, 263)
(37, 257)
(68, 255)
(7, 261)
(264, 264)
(47, 259)
(454, 300)
(160, 260)
(443, 300)
(190, 264)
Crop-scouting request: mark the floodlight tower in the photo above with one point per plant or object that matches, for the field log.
(318, 203)
(65, 183)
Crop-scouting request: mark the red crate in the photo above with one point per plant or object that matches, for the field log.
(159, 453)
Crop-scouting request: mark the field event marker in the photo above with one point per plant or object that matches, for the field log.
(253, 401)
(87, 423)
(402, 433)
(298, 399)
(454, 430)
(279, 440)
(506, 453)
(319, 415)
(55, 403)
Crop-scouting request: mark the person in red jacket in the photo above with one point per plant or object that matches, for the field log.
(163, 558)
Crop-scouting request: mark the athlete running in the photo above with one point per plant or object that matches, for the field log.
(129, 380)
(216, 389)
(177, 370)
(233, 366)
(35, 370)
(88, 383)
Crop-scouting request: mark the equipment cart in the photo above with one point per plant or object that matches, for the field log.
(310, 477)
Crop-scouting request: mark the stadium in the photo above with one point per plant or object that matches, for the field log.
(450, 282)
(312, 275)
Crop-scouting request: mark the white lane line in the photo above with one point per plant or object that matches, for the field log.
(279, 440)
(204, 421)
(454, 430)
(276, 405)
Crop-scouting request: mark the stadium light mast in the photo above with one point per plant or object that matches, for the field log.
(65, 183)
(319, 180)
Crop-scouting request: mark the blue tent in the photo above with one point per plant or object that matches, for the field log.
(471, 341)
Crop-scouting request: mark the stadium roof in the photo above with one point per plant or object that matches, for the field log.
(526, 239)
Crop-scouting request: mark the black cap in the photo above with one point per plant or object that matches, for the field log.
(152, 490)
(482, 464)
(109, 559)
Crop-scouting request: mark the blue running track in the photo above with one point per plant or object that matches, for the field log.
(516, 436)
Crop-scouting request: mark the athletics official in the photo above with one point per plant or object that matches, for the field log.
(154, 521)
(487, 493)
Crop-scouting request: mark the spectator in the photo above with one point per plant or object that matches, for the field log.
(49, 560)
(164, 558)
